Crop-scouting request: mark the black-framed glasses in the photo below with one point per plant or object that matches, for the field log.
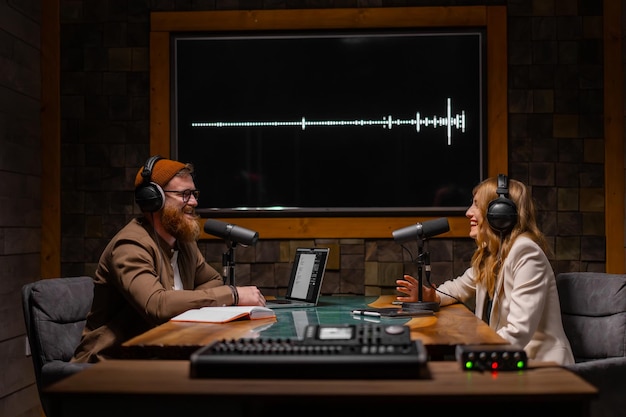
(185, 194)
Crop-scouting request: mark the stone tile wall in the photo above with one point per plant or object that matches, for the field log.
(555, 140)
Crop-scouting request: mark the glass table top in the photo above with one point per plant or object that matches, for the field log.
(331, 310)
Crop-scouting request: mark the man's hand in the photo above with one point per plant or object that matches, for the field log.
(250, 296)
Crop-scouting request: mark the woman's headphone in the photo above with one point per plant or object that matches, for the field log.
(149, 195)
(502, 212)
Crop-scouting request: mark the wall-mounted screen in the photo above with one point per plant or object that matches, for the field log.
(331, 122)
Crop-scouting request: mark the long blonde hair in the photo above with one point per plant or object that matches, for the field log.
(492, 247)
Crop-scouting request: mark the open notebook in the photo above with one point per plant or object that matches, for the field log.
(305, 283)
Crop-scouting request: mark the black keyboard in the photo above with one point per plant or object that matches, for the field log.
(354, 351)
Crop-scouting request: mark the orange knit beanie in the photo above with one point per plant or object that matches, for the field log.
(162, 172)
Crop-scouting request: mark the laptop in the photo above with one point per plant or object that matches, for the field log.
(305, 283)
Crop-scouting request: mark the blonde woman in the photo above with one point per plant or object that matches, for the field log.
(510, 278)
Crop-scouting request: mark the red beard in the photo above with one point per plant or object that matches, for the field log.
(178, 225)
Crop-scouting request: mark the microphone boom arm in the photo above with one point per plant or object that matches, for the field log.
(420, 265)
(228, 262)
(423, 264)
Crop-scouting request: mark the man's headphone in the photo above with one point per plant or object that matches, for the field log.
(149, 195)
(502, 212)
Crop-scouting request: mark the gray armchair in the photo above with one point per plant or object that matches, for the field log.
(593, 308)
(55, 311)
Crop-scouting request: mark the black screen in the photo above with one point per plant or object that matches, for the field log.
(341, 121)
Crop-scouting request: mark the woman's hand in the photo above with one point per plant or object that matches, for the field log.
(410, 287)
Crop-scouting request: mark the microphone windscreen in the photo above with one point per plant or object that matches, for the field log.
(405, 234)
(435, 227)
(215, 228)
(231, 232)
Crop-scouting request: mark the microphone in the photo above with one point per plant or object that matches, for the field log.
(231, 232)
(424, 230)
(421, 232)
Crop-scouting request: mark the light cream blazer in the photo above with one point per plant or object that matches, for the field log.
(526, 309)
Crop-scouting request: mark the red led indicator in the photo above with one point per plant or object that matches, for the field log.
(494, 365)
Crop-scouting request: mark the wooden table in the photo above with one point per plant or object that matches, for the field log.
(451, 326)
(163, 388)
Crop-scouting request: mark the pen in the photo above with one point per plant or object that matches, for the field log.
(366, 313)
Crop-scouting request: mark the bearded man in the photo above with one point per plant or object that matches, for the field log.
(152, 269)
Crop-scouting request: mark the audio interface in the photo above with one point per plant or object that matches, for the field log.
(491, 358)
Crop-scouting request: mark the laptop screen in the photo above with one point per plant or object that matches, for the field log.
(307, 273)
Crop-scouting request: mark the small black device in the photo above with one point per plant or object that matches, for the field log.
(346, 351)
(149, 195)
(502, 212)
(392, 312)
(491, 358)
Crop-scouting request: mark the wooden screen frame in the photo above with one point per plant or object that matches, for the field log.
(491, 18)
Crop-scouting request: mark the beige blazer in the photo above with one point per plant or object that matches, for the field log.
(526, 309)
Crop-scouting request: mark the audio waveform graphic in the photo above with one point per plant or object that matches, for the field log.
(449, 121)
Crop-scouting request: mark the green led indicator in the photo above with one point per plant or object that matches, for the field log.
(520, 364)
(469, 365)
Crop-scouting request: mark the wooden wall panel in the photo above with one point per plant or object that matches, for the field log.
(491, 17)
